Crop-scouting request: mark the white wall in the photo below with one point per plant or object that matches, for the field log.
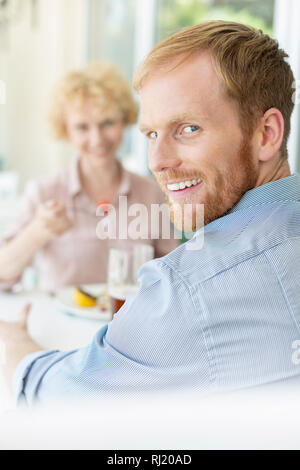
(35, 56)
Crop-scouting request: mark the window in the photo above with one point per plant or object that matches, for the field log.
(112, 39)
(111, 32)
(172, 15)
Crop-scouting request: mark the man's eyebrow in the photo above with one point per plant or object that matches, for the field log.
(187, 117)
(176, 119)
(144, 129)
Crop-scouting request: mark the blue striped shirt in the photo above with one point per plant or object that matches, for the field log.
(221, 318)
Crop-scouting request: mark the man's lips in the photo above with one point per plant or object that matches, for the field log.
(182, 180)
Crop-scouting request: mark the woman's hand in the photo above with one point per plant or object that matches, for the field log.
(51, 221)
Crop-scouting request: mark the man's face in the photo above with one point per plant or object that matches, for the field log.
(197, 150)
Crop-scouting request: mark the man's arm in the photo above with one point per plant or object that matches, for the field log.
(17, 344)
(154, 342)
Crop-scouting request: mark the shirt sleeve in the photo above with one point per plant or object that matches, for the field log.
(28, 205)
(155, 342)
(23, 370)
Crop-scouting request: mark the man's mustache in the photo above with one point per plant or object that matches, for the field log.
(164, 178)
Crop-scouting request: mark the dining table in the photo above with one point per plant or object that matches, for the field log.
(49, 325)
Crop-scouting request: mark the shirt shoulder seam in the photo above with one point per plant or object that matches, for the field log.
(261, 252)
(263, 204)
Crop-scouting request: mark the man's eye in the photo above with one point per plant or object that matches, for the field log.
(152, 135)
(190, 129)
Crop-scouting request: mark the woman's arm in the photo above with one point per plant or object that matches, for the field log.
(18, 253)
(50, 222)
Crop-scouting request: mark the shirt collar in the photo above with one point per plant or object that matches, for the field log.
(75, 186)
(285, 189)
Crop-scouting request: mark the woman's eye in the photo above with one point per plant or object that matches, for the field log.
(82, 127)
(108, 122)
(190, 129)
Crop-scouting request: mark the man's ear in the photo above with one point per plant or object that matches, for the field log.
(270, 134)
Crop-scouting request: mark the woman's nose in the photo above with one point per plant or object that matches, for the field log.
(96, 137)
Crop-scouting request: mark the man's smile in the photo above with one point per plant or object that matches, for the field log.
(179, 185)
(182, 188)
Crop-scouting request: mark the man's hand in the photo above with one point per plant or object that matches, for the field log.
(14, 330)
(16, 343)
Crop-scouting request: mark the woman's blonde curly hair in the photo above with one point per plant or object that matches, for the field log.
(103, 84)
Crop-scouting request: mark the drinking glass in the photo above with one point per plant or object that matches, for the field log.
(123, 266)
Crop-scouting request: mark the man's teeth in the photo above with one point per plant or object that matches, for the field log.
(183, 185)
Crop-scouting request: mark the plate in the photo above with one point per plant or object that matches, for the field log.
(66, 304)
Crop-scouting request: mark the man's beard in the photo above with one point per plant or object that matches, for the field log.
(223, 190)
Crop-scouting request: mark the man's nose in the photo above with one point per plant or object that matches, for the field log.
(163, 155)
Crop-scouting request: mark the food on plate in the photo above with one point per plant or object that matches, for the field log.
(84, 299)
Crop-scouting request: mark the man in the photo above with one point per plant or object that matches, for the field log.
(216, 101)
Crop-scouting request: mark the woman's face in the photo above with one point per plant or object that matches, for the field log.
(95, 134)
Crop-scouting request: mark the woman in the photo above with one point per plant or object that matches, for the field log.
(56, 226)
